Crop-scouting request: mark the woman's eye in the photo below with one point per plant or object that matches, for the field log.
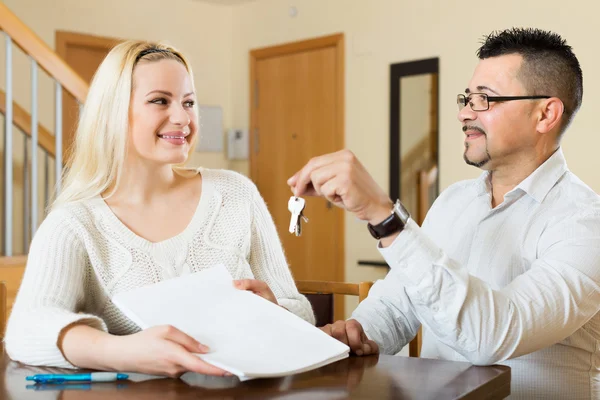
(190, 103)
(159, 101)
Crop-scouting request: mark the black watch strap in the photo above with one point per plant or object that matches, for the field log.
(392, 224)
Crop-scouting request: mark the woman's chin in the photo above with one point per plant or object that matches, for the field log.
(174, 159)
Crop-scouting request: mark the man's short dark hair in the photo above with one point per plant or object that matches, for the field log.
(549, 66)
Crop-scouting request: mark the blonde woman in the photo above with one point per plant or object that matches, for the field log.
(130, 215)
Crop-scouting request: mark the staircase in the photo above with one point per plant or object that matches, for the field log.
(32, 155)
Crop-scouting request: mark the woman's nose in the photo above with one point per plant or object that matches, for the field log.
(179, 115)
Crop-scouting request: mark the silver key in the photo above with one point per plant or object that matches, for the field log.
(296, 207)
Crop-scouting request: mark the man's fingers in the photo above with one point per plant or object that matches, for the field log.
(331, 191)
(302, 180)
(370, 347)
(186, 341)
(292, 181)
(355, 338)
(323, 175)
(338, 331)
(308, 190)
(326, 329)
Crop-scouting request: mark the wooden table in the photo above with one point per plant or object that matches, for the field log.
(383, 377)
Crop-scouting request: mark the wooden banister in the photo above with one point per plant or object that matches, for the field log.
(47, 59)
(22, 120)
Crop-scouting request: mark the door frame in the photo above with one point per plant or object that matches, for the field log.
(64, 39)
(337, 42)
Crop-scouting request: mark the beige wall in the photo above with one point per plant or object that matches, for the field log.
(202, 31)
(378, 33)
(382, 32)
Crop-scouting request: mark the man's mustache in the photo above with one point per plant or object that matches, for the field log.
(473, 128)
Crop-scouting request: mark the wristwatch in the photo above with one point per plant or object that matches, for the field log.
(392, 224)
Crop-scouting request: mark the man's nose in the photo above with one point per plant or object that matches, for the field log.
(466, 114)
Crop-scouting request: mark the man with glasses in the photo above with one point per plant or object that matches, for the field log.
(506, 267)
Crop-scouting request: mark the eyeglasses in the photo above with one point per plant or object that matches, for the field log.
(481, 101)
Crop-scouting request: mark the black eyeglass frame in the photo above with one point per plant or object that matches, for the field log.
(464, 98)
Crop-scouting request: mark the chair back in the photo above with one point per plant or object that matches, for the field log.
(3, 310)
(320, 295)
(11, 273)
(426, 193)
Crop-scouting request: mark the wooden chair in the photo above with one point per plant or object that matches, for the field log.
(11, 273)
(426, 193)
(3, 310)
(320, 295)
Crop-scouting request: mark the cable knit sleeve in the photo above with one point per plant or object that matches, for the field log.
(268, 262)
(51, 294)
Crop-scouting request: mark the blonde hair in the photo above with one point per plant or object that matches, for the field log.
(100, 147)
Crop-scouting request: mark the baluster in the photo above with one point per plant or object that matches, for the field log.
(58, 134)
(26, 190)
(8, 158)
(34, 146)
(46, 179)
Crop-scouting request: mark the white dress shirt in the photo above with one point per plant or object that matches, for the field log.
(517, 285)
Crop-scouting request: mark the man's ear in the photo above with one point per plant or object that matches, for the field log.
(550, 116)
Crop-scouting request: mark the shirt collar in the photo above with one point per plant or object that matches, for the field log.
(483, 184)
(538, 184)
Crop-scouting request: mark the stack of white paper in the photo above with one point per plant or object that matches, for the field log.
(248, 335)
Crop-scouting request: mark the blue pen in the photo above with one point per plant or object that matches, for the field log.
(73, 386)
(90, 377)
(59, 386)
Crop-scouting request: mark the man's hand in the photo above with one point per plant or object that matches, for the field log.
(344, 181)
(352, 334)
(257, 287)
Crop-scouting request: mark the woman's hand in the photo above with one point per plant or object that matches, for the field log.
(162, 350)
(257, 287)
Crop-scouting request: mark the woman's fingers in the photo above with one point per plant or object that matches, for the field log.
(186, 341)
(257, 287)
(190, 362)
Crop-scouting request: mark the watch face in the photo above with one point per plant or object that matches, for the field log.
(401, 212)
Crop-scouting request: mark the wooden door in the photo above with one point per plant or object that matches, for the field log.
(83, 53)
(296, 114)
